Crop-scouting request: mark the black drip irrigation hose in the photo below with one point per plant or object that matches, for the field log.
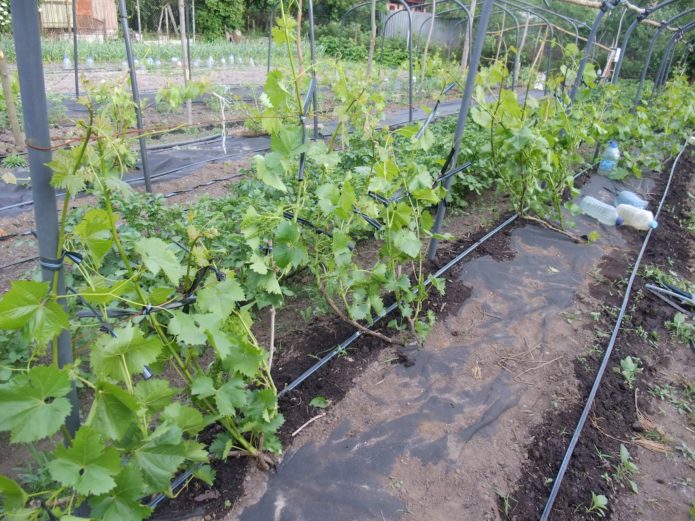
(557, 482)
(185, 476)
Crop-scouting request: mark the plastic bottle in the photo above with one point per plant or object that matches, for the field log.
(210, 62)
(636, 217)
(253, 64)
(604, 213)
(631, 198)
(67, 63)
(90, 62)
(223, 61)
(609, 159)
(231, 59)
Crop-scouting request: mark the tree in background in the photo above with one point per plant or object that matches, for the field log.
(5, 21)
(212, 16)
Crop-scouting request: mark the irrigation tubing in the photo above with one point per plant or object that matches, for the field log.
(183, 477)
(557, 482)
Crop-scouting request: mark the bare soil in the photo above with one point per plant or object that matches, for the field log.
(665, 477)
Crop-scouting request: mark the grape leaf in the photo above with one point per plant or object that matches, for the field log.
(123, 501)
(26, 305)
(287, 248)
(186, 330)
(113, 411)
(157, 257)
(231, 396)
(155, 394)
(34, 405)
(407, 242)
(186, 418)
(95, 232)
(221, 298)
(13, 495)
(268, 175)
(87, 465)
(129, 347)
(160, 456)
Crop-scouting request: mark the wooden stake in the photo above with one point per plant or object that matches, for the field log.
(9, 102)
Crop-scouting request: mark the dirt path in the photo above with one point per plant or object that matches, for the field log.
(449, 434)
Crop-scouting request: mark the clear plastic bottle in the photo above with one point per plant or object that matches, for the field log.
(67, 63)
(631, 198)
(610, 158)
(90, 62)
(602, 212)
(636, 217)
(210, 62)
(231, 59)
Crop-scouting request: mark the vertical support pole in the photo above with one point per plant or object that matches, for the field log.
(312, 47)
(75, 57)
(193, 19)
(136, 95)
(137, 8)
(645, 67)
(25, 21)
(463, 116)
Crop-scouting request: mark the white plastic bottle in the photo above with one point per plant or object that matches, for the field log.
(610, 158)
(636, 217)
(211, 62)
(602, 212)
(67, 63)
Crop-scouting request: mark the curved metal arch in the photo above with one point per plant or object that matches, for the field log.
(628, 34)
(574, 23)
(650, 51)
(409, 38)
(667, 58)
(513, 3)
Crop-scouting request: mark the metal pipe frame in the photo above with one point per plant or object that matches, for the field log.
(667, 58)
(606, 6)
(32, 86)
(75, 55)
(312, 51)
(136, 95)
(462, 117)
(410, 51)
(512, 3)
(574, 23)
(650, 51)
(628, 34)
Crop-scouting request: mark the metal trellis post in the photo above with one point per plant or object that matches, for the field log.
(25, 20)
(136, 95)
(463, 115)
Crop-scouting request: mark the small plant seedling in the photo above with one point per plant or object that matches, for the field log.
(319, 402)
(598, 506)
(625, 469)
(681, 328)
(14, 161)
(507, 501)
(629, 368)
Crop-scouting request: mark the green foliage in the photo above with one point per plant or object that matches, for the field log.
(14, 161)
(681, 328)
(214, 15)
(598, 506)
(629, 369)
(138, 433)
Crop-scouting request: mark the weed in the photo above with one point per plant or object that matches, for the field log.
(681, 328)
(507, 500)
(14, 161)
(598, 506)
(686, 451)
(629, 368)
